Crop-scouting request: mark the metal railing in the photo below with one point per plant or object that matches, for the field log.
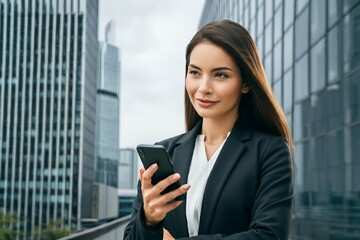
(107, 231)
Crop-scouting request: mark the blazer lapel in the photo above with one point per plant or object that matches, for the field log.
(227, 159)
(182, 159)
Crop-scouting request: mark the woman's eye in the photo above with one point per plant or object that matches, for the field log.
(221, 75)
(195, 73)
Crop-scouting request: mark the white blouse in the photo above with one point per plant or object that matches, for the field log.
(199, 172)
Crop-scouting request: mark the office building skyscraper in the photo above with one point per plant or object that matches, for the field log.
(311, 53)
(48, 62)
(107, 117)
(128, 168)
(128, 180)
(107, 127)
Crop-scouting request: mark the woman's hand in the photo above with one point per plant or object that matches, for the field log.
(156, 206)
(167, 235)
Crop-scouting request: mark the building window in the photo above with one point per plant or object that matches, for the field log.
(334, 106)
(289, 7)
(300, 4)
(268, 10)
(318, 110)
(288, 46)
(352, 98)
(301, 120)
(302, 33)
(288, 90)
(318, 16)
(351, 40)
(333, 54)
(268, 38)
(334, 11)
(278, 19)
(301, 78)
(318, 66)
(260, 20)
(277, 61)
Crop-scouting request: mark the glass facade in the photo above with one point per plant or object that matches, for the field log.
(128, 169)
(311, 53)
(47, 111)
(107, 114)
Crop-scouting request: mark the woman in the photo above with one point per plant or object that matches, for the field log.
(236, 154)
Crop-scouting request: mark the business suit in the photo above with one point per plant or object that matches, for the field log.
(248, 194)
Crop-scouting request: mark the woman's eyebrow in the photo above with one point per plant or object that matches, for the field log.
(213, 70)
(221, 68)
(194, 66)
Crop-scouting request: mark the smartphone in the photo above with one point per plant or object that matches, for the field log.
(150, 154)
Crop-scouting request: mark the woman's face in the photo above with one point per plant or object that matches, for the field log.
(213, 82)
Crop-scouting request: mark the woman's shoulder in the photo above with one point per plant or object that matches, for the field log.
(170, 143)
(264, 140)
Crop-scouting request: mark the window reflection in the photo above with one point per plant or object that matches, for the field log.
(317, 19)
(260, 20)
(352, 189)
(300, 4)
(334, 143)
(318, 110)
(288, 85)
(278, 24)
(333, 54)
(318, 66)
(277, 60)
(268, 38)
(302, 33)
(301, 120)
(334, 11)
(349, 4)
(288, 12)
(351, 40)
(334, 106)
(352, 98)
(302, 151)
(301, 78)
(268, 10)
(288, 48)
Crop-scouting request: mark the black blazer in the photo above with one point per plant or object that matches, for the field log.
(248, 195)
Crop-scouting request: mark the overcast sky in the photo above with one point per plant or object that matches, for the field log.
(152, 36)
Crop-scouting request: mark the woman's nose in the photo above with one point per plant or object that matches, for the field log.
(205, 85)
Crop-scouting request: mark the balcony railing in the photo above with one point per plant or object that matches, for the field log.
(113, 230)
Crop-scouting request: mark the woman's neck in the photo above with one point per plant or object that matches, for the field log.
(216, 130)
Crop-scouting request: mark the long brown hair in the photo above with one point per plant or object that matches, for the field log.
(258, 107)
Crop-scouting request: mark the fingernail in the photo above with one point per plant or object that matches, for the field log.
(154, 166)
(186, 186)
(176, 176)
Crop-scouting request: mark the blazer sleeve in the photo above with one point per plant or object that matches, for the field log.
(137, 229)
(272, 209)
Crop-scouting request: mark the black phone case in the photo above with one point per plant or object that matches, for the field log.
(150, 154)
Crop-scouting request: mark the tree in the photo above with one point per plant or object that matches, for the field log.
(51, 230)
(7, 222)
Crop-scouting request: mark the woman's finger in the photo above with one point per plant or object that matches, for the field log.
(160, 186)
(145, 178)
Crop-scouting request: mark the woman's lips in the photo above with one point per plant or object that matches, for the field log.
(205, 103)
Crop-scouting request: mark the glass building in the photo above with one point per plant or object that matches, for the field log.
(128, 169)
(48, 59)
(107, 116)
(311, 53)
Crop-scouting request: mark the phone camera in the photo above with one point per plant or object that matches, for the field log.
(141, 153)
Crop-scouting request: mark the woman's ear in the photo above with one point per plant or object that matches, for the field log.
(245, 89)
